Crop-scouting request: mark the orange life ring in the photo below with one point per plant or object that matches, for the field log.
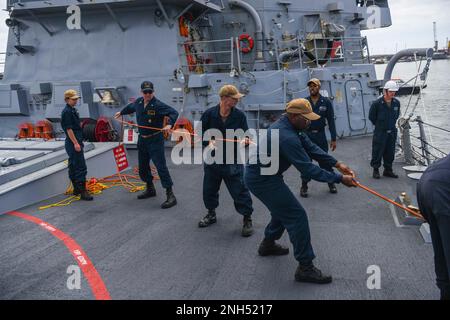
(250, 43)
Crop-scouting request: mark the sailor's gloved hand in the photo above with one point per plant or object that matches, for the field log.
(245, 142)
(348, 181)
(167, 128)
(345, 170)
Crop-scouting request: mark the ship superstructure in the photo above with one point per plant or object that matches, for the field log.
(268, 49)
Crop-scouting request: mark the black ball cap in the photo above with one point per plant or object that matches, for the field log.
(147, 86)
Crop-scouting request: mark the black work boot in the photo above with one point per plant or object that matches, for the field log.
(332, 187)
(389, 173)
(149, 192)
(309, 273)
(76, 188)
(376, 173)
(84, 194)
(171, 200)
(304, 190)
(247, 228)
(445, 294)
(271, 248)
(208, 220)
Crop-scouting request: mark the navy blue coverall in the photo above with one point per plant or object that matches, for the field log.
(316, 131)
(384, 118)
(231, 174)
(433, 196)
(286, 211)
(151, 142)
(70, 119)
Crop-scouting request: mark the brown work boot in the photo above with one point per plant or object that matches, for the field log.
(332, 187)
(208, 220)
(376, 173)
(149, 192)
(304, 190)
(309, 273)
(84, 194)
(390, 174)
(76, 188)
(247, 228)
(271, 248)
(171, 200)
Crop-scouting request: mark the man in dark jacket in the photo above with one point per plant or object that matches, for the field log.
(316, 131)
(384, 114)
(295, 148)
(225, 117)
(433, 196)
(150, 112)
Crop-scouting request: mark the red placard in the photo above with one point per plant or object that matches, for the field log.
(121, 158)
(336, 51)
(130, 135)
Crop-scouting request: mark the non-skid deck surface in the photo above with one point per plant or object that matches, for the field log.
(144, 252)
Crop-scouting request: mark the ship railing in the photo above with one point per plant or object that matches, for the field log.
(351, 50)
(2, 63)
(225, 55)
(416, 135)
(207, 56)
(417, 146)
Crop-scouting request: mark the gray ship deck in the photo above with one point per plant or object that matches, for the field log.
(144, 252)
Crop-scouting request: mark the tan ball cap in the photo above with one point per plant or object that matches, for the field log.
(230, 91)
(314, 81)
(303, 107)
(71, 94)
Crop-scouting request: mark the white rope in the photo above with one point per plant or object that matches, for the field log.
(421, 98)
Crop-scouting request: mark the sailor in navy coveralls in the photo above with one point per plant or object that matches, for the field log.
(433, 197)
(70, 123)
(384, 114)
(295, 148)
(316, 132)
(225, 117)
(150, 112)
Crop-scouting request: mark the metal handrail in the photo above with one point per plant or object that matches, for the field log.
(229, 43)
(352, 51)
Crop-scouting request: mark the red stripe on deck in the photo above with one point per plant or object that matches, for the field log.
(95, 281)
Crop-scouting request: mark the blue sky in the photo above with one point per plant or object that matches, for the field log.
(412, 26)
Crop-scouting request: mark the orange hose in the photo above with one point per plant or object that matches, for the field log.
(418, 215)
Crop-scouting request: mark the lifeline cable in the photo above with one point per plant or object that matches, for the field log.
(417, 215)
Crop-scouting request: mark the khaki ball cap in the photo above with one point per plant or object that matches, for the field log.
(303, 107)
(230, 91)
(71, 94)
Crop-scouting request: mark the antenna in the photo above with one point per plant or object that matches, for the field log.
(436, 43)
